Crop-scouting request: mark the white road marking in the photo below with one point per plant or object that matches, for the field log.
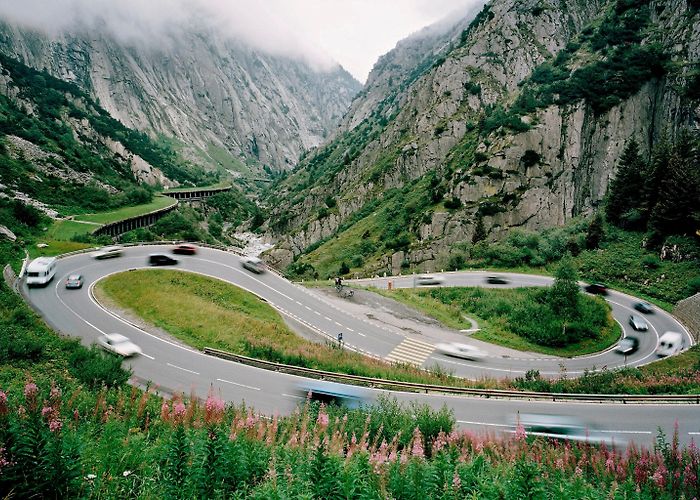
(239, 385)
(469, 422)
(350, 329)
(181, 368)
(149, 357)
(292, 396)
(626, 432)
(694, 433)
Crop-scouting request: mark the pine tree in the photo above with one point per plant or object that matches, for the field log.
(595, 232)
(676, 211)
(653, 176)
(626, 187)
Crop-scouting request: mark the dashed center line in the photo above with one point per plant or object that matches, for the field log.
(239, 385)
(181, 368)
(149, 357)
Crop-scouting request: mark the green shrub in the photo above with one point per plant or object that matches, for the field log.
(97, 368)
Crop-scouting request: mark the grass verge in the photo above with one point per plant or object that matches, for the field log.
(127, 212)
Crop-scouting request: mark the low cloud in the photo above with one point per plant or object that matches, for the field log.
(256, 23)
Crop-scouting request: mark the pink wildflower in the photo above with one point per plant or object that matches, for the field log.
(659, 477)
(179, 411)
(55, 425)
(3, 404)
(46, 410)
(30, 393)
(30, 390)
(251, 420)
(456, 481)
(610, 464)
(520, 434)
(213, 410)
(322, 419)
(578, 472)
(417, 450)
(55, 394)
(165, 411)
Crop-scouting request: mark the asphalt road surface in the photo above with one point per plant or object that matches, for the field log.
(174, 367)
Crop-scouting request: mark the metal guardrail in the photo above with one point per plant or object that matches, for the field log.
(466, 391)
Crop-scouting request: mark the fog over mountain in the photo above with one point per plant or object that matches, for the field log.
(134, 22)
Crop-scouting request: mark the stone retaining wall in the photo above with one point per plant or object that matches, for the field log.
(687, 311)
(125, 225)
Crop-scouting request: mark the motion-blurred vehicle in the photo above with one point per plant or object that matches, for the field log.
(348, 396)
(118, 344)
(496, 280)
(669, 343)
(458, 350)
(253, 264)
(560, 427)
(429, 279)
(41, 271)
(161, 259)
(108, 252)
(74, 281)
(627, 346)
(643, 307)
(638, 323)
(185, 249)
(597, 289)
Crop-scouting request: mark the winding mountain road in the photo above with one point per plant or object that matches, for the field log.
(179, 368)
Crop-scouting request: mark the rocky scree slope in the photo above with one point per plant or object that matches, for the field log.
(225, 104)
(60, 150)
(518, 122)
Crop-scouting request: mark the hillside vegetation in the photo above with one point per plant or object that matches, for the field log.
(55, 146)
(463, 151)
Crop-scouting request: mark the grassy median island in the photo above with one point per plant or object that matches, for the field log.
(203, 311)
(518, 318)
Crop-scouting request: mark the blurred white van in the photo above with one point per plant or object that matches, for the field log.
(40, 271)
(669, 343)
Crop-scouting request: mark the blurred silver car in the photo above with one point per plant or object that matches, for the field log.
(429, 279)
(253, 264)
(348, 396)
(560, 427)
(74, 281)
(638, 323)
(108, 252)
(457, 350)
(118, 344)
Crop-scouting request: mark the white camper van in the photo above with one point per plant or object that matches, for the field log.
(40, 271)
(669, 343)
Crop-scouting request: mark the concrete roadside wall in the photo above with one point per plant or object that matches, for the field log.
(125, 225)
(687, 311)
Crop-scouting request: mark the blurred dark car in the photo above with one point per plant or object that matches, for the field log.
(597, 289)
(185, 249)
(644, 307)
(628, 345)
(497, 280)
(161, 259)
(74, 281)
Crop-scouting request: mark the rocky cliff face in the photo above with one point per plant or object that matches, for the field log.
(228, 104)
(498, 128)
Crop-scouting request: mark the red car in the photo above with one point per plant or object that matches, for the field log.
(185, 249)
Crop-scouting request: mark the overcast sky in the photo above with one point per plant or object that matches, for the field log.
(352, 32)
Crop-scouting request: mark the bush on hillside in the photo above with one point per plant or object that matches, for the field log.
(96, 368)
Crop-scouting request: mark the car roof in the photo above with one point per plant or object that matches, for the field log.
(117, 336)
(74, 276)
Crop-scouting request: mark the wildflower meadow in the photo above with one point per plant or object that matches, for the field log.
(127, 443)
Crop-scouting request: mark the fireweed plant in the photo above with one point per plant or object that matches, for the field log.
(125, 443)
